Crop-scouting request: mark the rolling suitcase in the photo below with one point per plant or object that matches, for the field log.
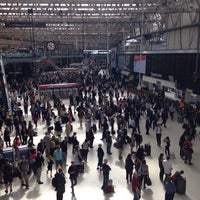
(147, 149)
(110, 186)
(9, 153)
(181, 186)
(110, 189)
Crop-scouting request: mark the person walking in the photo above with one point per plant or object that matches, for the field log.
(81, 114)
(87, 127)
(164, 116)
(147, 125)
(181, 141)
(171, 111)
(39, 161)
(64, 148)
(72, 171)
(23, 167)
(188, 150)
(138, 139)
(112, 123)
(109, 142)
(144, 173)
(132, 143)
(100, 155)
(105, 128)
(41, 146)
(79, 161)
(85, 149)
(160, 164)
(47, 141)
(106, 171)
(7, 175)
(68, 129)
(58, 156)
(75, 142)
(167, 146)
(2, 162)
(91, 137)
(135, 186)
(167, 165)
(60, 184)
(6, 136)
(1, 144)
(132, 124)
(158, 130)
(121, 143)
(129, 167)
(50, 164)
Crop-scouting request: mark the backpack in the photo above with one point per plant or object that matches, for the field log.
(7, 169)
(54, 182)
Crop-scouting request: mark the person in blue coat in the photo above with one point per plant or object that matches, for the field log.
(170, 189)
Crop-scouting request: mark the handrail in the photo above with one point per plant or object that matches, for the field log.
(5, 83)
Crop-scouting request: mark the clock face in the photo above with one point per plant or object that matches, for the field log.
(51, 46)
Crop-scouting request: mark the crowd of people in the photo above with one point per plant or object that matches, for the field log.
(102, 103)
(60, 76)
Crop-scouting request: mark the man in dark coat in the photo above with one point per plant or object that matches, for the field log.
(72, 171)
(100, 155)
(129, 167)
(106, 170)
(60, 184)
(39, 161)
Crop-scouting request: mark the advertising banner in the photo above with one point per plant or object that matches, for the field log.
(139, 64)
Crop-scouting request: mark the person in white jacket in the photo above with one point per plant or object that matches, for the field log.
(167, 165)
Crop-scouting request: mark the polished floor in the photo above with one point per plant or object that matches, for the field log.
(89, 183)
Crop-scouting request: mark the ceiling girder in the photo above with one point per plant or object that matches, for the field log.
(87, 21)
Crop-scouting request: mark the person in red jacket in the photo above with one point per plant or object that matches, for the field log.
(187, 149)
(16, 142)
(136, 186)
